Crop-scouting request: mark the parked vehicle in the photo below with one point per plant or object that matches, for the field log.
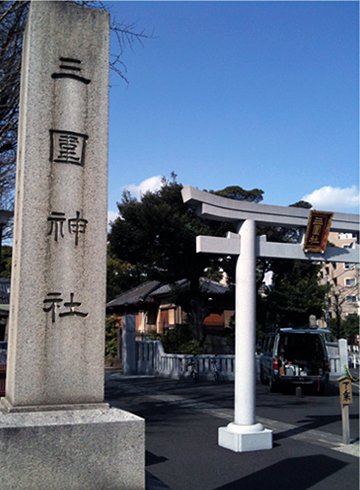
(295, 356)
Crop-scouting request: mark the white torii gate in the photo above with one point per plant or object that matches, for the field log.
(244, 434)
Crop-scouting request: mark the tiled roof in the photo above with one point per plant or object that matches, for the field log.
(207, 285)
(151, 289)
(213, 287)
(166, 288)
(135, 295)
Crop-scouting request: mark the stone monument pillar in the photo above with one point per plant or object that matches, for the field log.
(55, 370)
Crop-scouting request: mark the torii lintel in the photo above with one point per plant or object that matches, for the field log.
(223, 209)
(220, 208)
(274, 250)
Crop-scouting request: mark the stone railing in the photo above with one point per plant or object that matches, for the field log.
(354, 356)
(152, 359)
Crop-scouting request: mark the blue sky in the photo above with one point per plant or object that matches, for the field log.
(256, 94)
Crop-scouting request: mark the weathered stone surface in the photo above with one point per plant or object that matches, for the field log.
(55, 431)
(56, 338)
(68, 450)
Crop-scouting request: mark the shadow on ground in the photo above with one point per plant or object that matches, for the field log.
(293, 474)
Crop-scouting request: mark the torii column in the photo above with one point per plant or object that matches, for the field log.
(244, 434)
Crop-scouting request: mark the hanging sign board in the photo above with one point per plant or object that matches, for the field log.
(317, 231)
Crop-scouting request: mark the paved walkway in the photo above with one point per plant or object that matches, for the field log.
(181, 437)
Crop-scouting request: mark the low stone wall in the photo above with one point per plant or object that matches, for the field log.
(151, 358)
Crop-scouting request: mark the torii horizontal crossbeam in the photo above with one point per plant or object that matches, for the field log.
(223, 209)
(273, 250)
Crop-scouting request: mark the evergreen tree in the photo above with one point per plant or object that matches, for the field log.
(157, 235)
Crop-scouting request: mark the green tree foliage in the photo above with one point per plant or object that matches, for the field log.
(351, 327)
(157, 235)
(5, 264)
(111, 336)
(179, 340)
(345, 328)
(121, 276)
(239, 194)
(295, 293)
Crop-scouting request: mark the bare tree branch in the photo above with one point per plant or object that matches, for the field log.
(13, 16)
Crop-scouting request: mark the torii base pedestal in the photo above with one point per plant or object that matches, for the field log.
(242, 438)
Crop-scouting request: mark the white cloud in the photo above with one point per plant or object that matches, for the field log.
(112, 215)
(152, 184)
(333, 198)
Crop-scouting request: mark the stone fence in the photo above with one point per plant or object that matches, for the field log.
(152, 359)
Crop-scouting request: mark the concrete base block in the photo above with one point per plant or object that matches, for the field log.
(241, 438)
(101, 449)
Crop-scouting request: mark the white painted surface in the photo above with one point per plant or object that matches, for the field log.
(223, 209)
(245, 321)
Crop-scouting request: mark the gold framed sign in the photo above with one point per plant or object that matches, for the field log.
(317, 231)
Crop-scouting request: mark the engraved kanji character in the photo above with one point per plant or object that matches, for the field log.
(67, 147)
(56, 224)
(77, 225)
(70, 68)
(72, 305)
(54, 299)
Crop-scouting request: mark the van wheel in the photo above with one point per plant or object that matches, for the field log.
(274, 387)
(263, 379)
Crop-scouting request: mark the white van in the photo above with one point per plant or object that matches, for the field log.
(295, 356)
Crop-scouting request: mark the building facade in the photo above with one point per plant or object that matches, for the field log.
(154, 308)
(343, 297)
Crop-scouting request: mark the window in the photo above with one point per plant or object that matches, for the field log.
(151, 316)
(349, 267)
(351, 299)
(350, 281)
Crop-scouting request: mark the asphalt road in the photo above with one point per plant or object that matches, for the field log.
(182, 420)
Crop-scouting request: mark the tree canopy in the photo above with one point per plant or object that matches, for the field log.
(157, 236)
(295, 293)
(239, 194)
